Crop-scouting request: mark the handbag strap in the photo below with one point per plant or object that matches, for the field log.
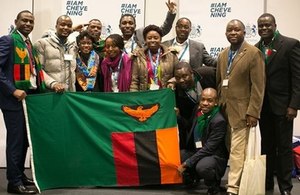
(252, 147)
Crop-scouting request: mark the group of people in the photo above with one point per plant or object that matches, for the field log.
(217, 99)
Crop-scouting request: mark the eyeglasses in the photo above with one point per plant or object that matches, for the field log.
(183, 27)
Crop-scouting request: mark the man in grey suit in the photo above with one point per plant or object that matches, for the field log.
(188, 50)
(281, 101)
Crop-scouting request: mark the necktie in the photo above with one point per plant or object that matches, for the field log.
(31, 59)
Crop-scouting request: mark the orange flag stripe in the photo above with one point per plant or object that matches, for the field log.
(169, 155)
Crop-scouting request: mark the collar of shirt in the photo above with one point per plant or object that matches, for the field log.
(23, 37)
(129, 45)
(183, 50)
(175, 43)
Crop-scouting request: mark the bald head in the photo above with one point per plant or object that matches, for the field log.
(208, 100)
(210, 91)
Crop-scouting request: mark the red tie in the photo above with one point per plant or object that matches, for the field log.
(31, 59)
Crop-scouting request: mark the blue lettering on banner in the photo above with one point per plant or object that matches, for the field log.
(75, 8)
(214, 51)
(218, 10)
(130, 8)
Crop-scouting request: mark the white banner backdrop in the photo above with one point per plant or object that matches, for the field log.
(82, 11)
(209, 20)
(8, 15)
(9, 11)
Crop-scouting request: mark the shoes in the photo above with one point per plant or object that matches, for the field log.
(27, 181)
(189, 180)
(20, 189)
(213, 191)
(286, 192)
(270, 187)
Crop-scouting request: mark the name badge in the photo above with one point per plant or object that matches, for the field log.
(154, 86)
(225, 83)
(198, 144)
(68, 57)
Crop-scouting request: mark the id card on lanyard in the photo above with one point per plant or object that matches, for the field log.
(154, 66)
(231, 56)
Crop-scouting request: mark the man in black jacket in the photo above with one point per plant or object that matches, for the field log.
(281, 101)
(206, 155)
(188, 87)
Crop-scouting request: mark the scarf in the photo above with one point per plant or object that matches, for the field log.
(204, 119)
(122, 64)
(268, 50)
(86, 74)
(98, 47)
(154, 75)
(21, 62)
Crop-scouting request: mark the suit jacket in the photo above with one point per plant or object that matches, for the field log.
(206, 76)
(198, 54)
(213, 140)
(283, 75)
(7, 87)
(246, 83)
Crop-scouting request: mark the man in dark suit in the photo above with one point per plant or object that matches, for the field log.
(20, 74)
(188, 50)
(206, 155)
(281, 101)
(188, 88)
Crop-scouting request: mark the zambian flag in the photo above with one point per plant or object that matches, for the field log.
(103, 139)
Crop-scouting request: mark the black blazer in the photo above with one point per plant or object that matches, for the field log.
(283, 75)
(213, 139)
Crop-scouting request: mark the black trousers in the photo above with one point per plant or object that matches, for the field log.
(209, 168)
(276, 143)
(16, 145)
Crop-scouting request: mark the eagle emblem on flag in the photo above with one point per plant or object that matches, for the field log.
(141, 112)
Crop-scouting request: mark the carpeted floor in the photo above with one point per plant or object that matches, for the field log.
(146, 190)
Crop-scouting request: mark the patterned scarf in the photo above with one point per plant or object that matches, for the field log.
(86, 74)
(204, 119)
(151, 77)
(22, 65)
(268, 50)
(99, 47)
(109, 65)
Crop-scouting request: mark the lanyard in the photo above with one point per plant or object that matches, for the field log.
(182, 54)
(186, 47)
(231, 56)
(115, 74)
(154, 66)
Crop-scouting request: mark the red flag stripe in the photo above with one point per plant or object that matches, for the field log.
(125, 159)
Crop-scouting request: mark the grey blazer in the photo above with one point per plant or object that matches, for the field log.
(198, 54)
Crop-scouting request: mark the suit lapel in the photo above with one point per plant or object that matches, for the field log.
(276, 47)
(241, 52)
(192, 53)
